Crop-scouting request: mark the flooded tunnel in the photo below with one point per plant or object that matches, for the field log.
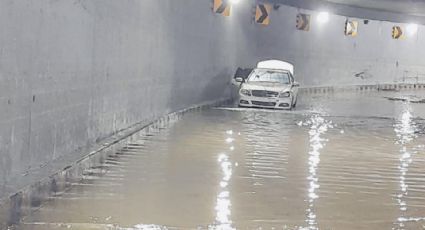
(212, 114)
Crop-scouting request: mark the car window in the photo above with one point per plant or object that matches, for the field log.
(263, 75)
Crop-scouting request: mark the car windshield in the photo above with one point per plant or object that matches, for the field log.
(264, 75)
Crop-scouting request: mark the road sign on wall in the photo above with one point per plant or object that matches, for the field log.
(262, 14)
(397, 32)
(303, 22)
(351, 28)
(222, 7)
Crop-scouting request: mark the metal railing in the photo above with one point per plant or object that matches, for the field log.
(411, 77)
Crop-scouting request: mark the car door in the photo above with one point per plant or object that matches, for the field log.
(294, 89)
(236, 86)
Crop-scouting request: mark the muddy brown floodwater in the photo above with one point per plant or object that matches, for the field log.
(344, 161)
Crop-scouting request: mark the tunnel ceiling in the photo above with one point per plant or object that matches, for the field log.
(410, 7)
(388, 10)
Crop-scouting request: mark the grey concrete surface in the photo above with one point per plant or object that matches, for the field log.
(403, 11)
(413, 7)
(75, 72)
(325, 56)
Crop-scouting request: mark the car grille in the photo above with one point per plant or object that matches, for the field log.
(264, 93)
(263, 103)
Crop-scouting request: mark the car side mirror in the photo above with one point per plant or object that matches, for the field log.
(296, 84)
(239, 79)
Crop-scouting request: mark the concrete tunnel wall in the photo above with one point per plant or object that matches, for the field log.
(74, 72)
(324, 56)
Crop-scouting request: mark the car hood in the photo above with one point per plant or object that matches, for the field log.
(267, 86)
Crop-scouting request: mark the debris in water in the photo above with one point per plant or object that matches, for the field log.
(412, 99)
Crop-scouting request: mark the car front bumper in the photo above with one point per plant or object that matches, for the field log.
(265, 102)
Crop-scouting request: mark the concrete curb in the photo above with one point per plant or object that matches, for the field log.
(30, 198)
(360, 88)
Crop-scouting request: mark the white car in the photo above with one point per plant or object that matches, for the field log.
(270, 85)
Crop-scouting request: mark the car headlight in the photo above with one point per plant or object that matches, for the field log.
(284, 95)
(245, 92)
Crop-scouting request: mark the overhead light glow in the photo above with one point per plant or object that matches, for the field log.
(234, 1)
(323, 17)
(412, 29)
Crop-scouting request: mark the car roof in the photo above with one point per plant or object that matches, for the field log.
(277, 70)
(276, 65)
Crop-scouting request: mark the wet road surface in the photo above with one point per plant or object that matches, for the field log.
(343, 161)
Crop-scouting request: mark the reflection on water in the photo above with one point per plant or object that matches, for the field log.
(405, 130)
(318, 127)
(223, 206)
(141, 227)
(223, 199)
(339, 168)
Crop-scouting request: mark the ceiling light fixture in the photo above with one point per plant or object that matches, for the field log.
(234, 1)
(412, 29)
(323, 17)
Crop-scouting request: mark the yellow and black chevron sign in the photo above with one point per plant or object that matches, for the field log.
(222, 7)
(351, 28)
(397, 32)
(303, 22)
(262, 14)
